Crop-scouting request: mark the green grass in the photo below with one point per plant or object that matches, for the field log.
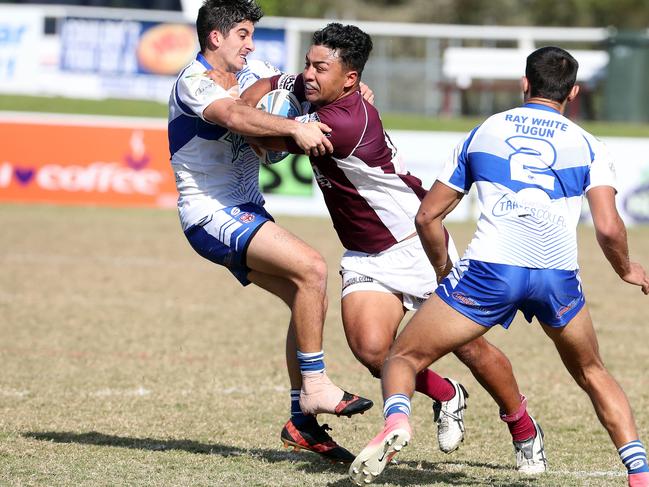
(133, 108)
(394, 121)
(126, 360)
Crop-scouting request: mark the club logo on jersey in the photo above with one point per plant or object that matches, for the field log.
(246, 217)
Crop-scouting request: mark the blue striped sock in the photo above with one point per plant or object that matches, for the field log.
(397, 403)
(311, 361)
(634, 457)
(297, 416)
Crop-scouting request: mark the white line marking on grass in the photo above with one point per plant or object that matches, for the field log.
(565, 473)
(13, 393)
(582, 474)
(140, 391)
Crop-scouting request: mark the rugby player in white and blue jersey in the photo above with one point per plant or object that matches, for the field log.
(221, 208)
(531, 167)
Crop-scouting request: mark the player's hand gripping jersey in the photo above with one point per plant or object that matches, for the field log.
(214, 168)
(372, 200)
(530, 185)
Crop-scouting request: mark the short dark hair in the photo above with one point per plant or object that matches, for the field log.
(552, 72)
(223, 15)
(352, 44)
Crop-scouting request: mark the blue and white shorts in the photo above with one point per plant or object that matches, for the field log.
(490, 294)
(224, 236)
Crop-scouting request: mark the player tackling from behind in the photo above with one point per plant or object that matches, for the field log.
(373, 201)
(522, 257)
(221, 208)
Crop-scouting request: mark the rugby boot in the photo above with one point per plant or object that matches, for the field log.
(530, 454)
(449, 416)
(381, 450)
(314, 437)
(320, 395)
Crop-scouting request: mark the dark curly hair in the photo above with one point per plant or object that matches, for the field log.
(352, 44)
(552, 72)
(223, 15)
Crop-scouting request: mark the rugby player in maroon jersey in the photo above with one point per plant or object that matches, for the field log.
(373, 201)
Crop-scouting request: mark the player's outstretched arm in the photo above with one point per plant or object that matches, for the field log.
(612, 237)
(438, 203)
(239, 117)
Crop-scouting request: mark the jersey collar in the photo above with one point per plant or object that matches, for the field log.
(538, 106)
(203, 61)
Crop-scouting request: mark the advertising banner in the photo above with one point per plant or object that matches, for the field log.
(125, 162)
(85, 161)
(140, 59)
(21, 33)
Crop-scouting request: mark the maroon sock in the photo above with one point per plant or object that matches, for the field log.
(434, 386)
(519, 423)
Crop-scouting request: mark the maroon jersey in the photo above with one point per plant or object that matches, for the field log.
(371, 199)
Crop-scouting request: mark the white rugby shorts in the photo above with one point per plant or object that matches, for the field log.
(403, 269)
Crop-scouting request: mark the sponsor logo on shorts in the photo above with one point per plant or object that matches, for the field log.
(563, 310)
(235, 211)
(247, 217)
(467, 301)
(356, 280)
(464, 299)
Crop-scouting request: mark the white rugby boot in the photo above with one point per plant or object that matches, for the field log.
(530, 454)
(449, 416)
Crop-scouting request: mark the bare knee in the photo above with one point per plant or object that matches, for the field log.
(312, 274)
(470, 354)
(479, 351)
(371, 353)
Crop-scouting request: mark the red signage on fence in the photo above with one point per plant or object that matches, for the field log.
(85, 160)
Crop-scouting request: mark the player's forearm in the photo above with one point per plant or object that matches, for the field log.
(612, 240)
(253, 94)
(433, 240)
(249, 121)
(277, 144)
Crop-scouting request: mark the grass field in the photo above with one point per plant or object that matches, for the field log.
(126, 359)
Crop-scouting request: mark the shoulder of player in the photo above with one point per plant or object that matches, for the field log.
(193, 82)
(345, 114)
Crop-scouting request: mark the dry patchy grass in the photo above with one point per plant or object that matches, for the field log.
(126, 359)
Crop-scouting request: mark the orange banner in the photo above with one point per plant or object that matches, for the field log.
(85, 161)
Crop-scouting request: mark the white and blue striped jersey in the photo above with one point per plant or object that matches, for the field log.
(531, 167)
(214, 168)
